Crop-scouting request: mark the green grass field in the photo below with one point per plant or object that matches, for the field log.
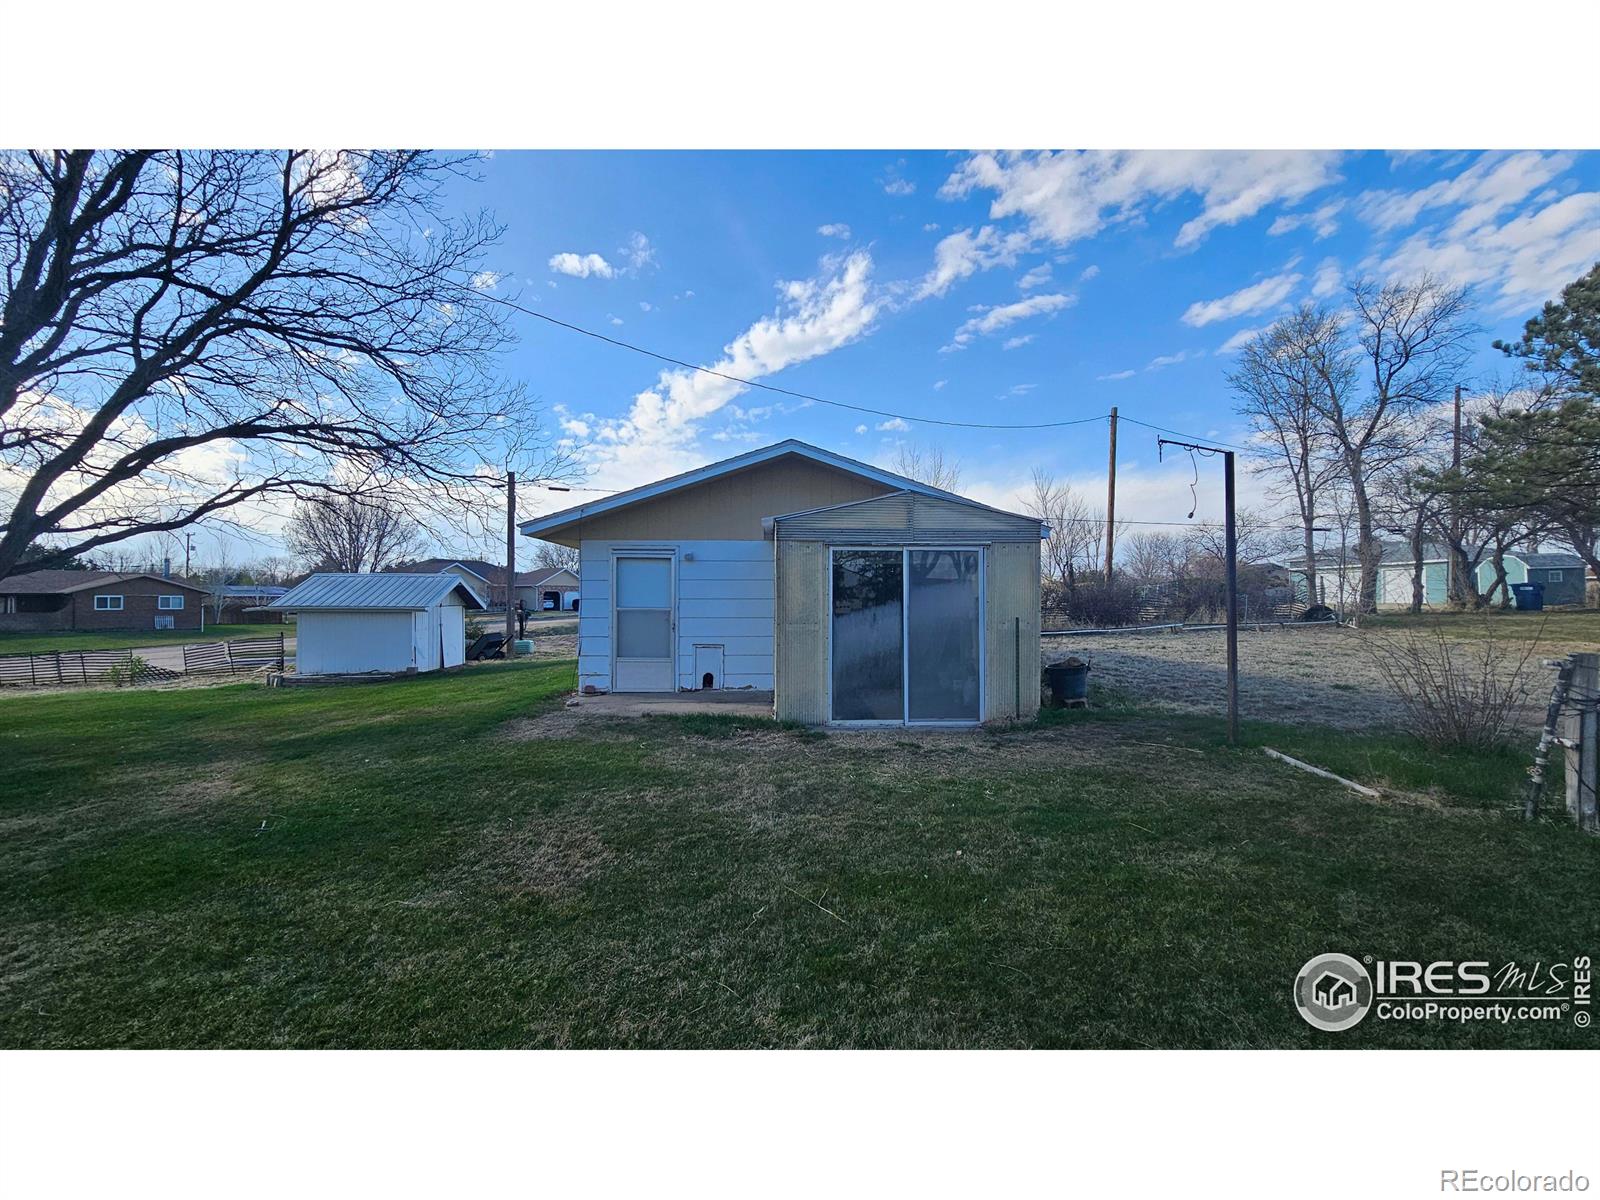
(45, 643)
(449, 861)
(1557, 627)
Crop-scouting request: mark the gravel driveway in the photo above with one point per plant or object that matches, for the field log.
(1318, 675)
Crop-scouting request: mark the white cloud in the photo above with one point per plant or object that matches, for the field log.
(964, 252)
(1493, 183)
(1258, 297)
(581, 265)
(1021, 389)
(1519, 262)
(1037, 277)
(993, 319)
(938, 384)
(1067, 196)
(899, 187)
(1320, 221)
(1088, 273)
(1171, 360)
(861, 428)
(1237, 341)
(638, 253)
(814, 318)
(834, 230)
(486, 281)
(931, 227)
(614, 319)
(1128, 374)
(1016, 343)
(1327, 280)
(893, 425)
(646, 306)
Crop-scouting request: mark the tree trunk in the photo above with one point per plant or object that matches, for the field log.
(1417, 593)
(1367, 549)
(1311, 563)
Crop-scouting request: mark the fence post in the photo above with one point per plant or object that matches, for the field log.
(281, 651)
(59, 677)
(1579, 721)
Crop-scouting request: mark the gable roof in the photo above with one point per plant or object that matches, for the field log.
(728, 466)
(543, 575)
(1549, 561)
(390, 591)
(53, 583)
(896, 512)
(484, 570)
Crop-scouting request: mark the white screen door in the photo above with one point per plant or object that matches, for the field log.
(642, 625)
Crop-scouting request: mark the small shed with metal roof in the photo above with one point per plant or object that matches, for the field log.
(383, 623)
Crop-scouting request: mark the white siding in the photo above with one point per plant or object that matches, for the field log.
(724, 598)
(336, 643)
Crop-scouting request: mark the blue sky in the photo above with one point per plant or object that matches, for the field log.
(989, 287)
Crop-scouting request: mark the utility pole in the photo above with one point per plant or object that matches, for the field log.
(188, 545)
(511, 561)
(1111, 496)
(1230, 550)
(1455, 588)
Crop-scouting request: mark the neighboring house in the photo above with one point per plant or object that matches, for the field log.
(243, 603)
(1561, 574)
(49, 600)
(389, 622)
(549, 586)
(485, 578)
(854, 594)
(1339, 576)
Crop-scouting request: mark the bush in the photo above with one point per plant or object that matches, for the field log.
(1458, 695)
(1093, 605)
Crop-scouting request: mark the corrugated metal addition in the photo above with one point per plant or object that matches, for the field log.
(384, 592)
(905, 518)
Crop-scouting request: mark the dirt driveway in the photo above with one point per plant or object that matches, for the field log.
(1318, 675)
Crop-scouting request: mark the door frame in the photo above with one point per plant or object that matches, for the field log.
(670, 553)
(905, 549)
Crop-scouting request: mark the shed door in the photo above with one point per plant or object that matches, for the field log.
(943, 616)
(642, 624)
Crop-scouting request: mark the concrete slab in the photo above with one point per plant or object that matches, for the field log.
(732, 703)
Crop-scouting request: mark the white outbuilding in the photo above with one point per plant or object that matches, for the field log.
(359, 624)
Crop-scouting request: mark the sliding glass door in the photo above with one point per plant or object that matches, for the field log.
(906, 635)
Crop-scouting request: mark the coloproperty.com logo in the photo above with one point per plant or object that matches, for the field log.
(1335, 992)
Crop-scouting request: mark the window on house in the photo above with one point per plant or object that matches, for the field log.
(108, 603)
(1552, 577)
(169, 602)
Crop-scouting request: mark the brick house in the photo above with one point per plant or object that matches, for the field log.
(53, 600)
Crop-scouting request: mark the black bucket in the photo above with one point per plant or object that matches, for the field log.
(1068, 683)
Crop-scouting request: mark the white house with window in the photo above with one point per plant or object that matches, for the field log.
(853, 594)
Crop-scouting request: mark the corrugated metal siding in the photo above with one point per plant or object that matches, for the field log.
(724, 598)
(1011, 581)
(903, 518)
(339, 643)
(802, 632)
(386, 591)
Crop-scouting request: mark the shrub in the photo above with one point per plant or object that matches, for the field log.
(1458, 695)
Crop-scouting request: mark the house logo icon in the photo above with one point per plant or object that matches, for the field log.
(1333, 992)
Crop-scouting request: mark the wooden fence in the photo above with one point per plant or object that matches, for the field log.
(80, 668)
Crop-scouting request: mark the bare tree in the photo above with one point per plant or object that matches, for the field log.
(352, 534)
(1077, 529)
(1152, 557)
(1286, 378)
(927, 464)
(186, 332)
(549, 556)
(1411, 339)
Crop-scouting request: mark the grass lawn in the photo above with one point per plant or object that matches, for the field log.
(1555, 628)
(447, 861)
(44, 643)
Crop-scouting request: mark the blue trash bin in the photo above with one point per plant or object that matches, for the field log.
(1528, 596)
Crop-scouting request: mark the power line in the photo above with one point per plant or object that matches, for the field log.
(768, 387)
